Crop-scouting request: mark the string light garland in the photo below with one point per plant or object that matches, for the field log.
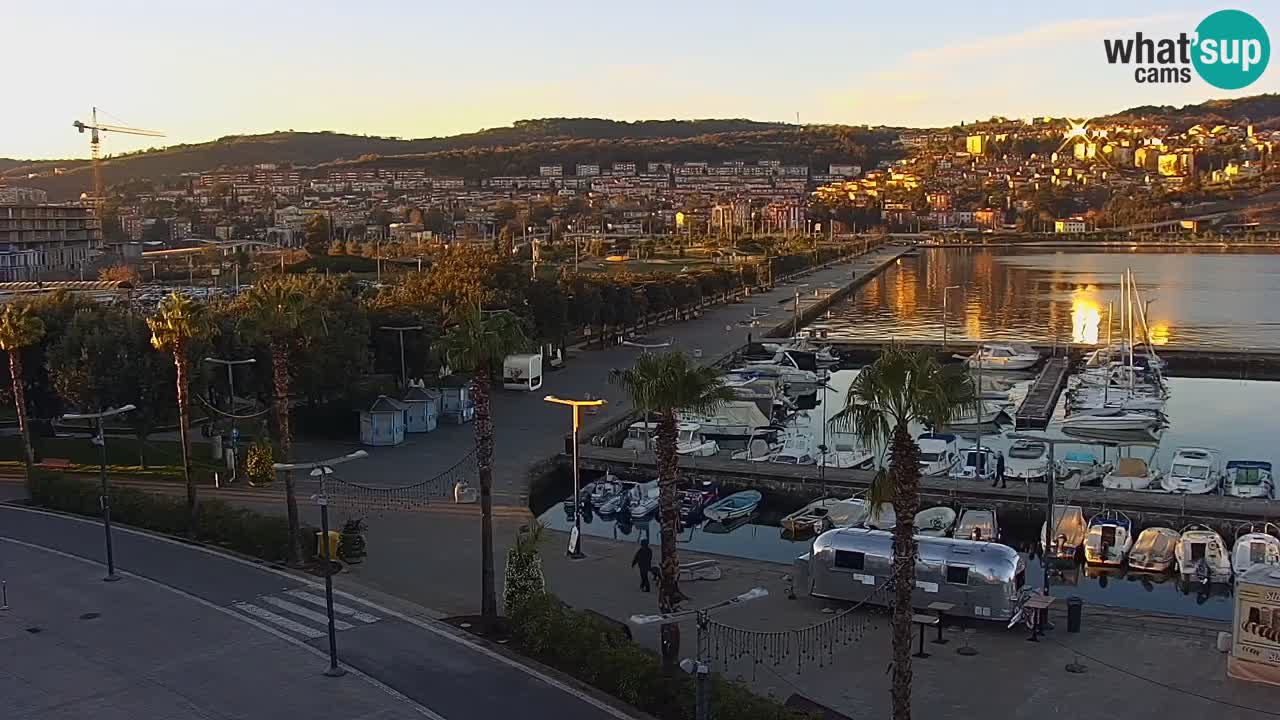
(365, 499)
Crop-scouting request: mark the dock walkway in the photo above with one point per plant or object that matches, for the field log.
(1037, 407)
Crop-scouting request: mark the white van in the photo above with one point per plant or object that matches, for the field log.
(522, 372)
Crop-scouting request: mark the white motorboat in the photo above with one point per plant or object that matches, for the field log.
(603, 490)
(1111, 419)
(763, 445)
(859, 459)
(823, 355)
(984, 412)
(1202, 556)
(850, 512)
(737, 505)
(1255, 547)
(640, 436)
(619, 501)
(644, 499)
(1109, 539)
(976, 464)
(1027, 460)
(792, 367)
(1249, 479)
(1155, 550)
(938, 453)
(1143, 356)
(1067, 534)
(1083, 467)
(977, 523)
(935, 521)
(1130, 474)
(1004, 356)
(731, 420)
(689, 441)
(1194, 471)
(797, 450)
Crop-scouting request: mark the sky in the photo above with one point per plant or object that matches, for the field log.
(199, 71)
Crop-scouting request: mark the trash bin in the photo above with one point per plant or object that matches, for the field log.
(335, 538)
(1075, 610)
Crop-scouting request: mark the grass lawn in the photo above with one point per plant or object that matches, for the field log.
(164, 457)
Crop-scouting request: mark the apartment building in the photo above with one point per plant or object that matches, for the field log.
(37, 239)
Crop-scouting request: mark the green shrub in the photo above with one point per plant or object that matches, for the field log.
(599, 653)
(524, 579)
(218, 522)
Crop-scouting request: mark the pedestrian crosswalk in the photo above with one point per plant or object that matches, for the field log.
(302, 613)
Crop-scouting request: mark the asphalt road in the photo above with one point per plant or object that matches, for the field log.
(431, 664)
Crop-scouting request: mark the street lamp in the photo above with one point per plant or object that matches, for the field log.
(945, 291)
(575, 539)
(401, 330)
(105, 499)
(1051, 480)
(231, 407)
(701, 666)
(322, 469)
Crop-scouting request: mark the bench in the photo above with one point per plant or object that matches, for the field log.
(56, 463)
(923, 621)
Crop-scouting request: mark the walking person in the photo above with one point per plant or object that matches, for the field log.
(644, 561)
(1000, 472)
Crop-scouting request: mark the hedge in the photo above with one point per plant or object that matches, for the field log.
(600, 654)
(218, 522)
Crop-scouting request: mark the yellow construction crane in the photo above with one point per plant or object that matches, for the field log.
(95, 150)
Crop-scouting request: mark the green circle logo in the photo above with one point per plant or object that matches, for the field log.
(1232, 49)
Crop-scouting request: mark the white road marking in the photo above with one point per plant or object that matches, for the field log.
(337, 607)
(284, 622)
(305, 612)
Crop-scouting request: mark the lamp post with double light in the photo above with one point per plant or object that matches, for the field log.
(575, 539)
(231, 406)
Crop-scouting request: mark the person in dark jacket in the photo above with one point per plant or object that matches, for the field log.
(999, 471)
(644, 561)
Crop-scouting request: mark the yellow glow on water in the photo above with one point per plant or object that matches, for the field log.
(1086, 316)
(1160, 334)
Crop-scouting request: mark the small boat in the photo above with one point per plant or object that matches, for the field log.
(977, 523)
(1109, 539)
(860, 459)
(1067, 534)
(1155, 550)
(976, 464)
(762, 445)
(1129, 474)
(1194, 471)
(1084, 467)
(1254, 547)
(739, 504)
(850, 512)
(797, 450)
(584, 497)
(1249, 479)
(620, 501)
(984, 412)
(1202, 556)
(1027, 460)
(935, 521)
(644, 499)
(731, 420)
(604, 490)
(811, 519)
(693, 500)
(689, 441)
(938, 453)
(881, 517)
(1112, 419)
(640, 436)
(1007, 356)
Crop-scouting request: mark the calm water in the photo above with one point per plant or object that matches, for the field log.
(1042, 294)
(1235, 416)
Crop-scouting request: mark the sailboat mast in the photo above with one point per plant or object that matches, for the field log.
(1106, 387)
(1129, 302)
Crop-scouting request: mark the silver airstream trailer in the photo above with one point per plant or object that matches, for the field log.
(982, 580)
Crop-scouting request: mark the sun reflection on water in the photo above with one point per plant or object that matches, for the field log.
(1086, 316)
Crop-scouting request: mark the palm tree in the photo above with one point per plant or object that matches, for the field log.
(477, 343)
(179, 321)
(279, 313)
(666, 384)
(20, 328)
(900, 388)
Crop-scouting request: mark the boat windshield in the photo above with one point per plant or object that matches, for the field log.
(1249, 476)
(785, 459)
(928, 457)
(1257, 552)
(1195, 472)
(1029, 451)
(686, 436)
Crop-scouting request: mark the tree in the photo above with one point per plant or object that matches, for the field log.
(278, 313)
(477, 343)
(178, 321)
(665, 385)
(900, 388)
(121, 273)
(316, 234)
(19, 329)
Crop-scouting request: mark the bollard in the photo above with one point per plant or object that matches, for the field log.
(4, 595)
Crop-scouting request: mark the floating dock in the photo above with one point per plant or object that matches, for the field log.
(1037, 407)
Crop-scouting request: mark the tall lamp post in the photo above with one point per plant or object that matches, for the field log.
(575, 540)
(401, 330)
(105, 499)
(1051, 481)
(322, 469)
(231, 406)
(701, 666)
(945, 291)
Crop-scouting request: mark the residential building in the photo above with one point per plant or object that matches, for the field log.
(39, 238)
(551, 171)
(585, 170)
(22, 196)
(975, 144)
(847, 171)
(1069, 225)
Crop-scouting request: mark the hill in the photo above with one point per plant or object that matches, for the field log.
(1262, 110)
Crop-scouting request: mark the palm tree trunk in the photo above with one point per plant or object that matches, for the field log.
(669, 595)
(20, 407)
(280, 389)
(905, 468)
(184, 433)
(484, 464)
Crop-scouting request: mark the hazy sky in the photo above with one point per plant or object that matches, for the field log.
(413, 69)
